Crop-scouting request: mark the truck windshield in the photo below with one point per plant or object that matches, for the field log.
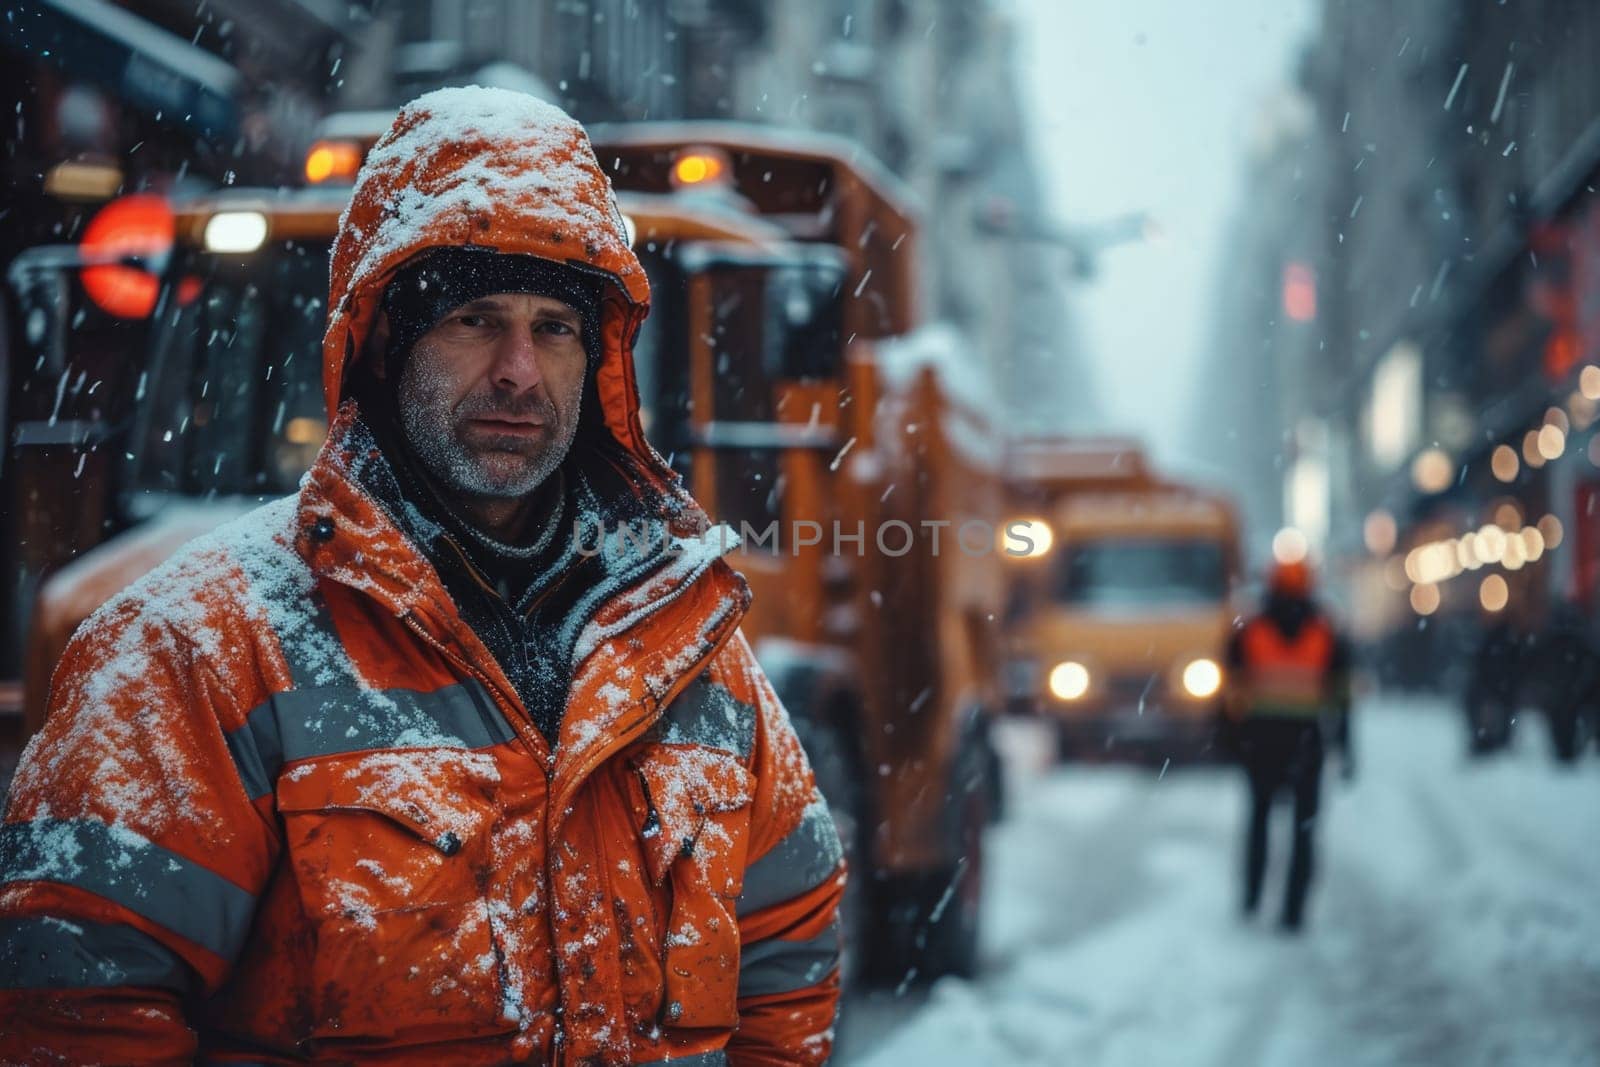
(232, 396)
(1133, 574)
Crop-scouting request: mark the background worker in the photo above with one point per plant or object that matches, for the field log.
(1289, 690)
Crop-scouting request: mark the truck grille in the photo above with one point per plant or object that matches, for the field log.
(1127, 690)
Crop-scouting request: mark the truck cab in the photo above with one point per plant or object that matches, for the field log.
(1118, 624)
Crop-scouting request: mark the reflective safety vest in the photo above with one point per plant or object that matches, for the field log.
(1282, 675)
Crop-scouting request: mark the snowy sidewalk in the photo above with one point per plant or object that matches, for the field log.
(1456, 919)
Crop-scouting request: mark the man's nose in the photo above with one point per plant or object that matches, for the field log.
(516, 365)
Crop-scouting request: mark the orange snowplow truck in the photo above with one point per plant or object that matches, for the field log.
(780, 373)
(1121, 601)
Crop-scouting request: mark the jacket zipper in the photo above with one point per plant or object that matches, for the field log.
(513, 714)
(546, 767)
(629, 733)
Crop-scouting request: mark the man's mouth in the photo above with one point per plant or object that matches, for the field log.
(511, 426)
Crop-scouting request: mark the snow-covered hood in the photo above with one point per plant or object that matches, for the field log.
(495, 169)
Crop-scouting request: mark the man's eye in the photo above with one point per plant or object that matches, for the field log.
(472, 321)
(557, 327)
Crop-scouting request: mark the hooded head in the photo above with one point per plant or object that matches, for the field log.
(1291, 580)
(1289, 590)
(488, 172)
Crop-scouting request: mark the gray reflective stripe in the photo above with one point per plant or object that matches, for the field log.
(806, 857)
(46, 953)
(330, 711)
(774, 966)
(310, 643)
(715, 1058)
(257, 750)
(302, 723)
(705, 713)
(131, 871)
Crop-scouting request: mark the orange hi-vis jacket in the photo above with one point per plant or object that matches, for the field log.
(286, 806)
(1286, 676)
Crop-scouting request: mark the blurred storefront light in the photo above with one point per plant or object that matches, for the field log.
(1504, 463)
(1552, 441)
(1379, 532)
(1394, 411)
(1532, 543)
(1530, 449)
(1589, 382)
(1550, 529)
(1582, 410)
(1515, 555)
(1508, 516)
(1289, 545)
(1433, 471)
(1493, 593)
(1424, 599)
(1308, 488)
(1558, 417)
(1491, 544)
(1434, 562)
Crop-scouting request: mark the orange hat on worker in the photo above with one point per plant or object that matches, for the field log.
(1291, 579)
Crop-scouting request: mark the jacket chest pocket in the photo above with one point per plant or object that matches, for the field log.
(390, 854)
(696, 839)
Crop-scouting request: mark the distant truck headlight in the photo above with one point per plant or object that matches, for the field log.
(1202, 678)
(235, 231)
(1026, 538)
(1069, 680)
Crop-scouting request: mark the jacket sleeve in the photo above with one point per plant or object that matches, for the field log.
(788, 909)
(130, 853)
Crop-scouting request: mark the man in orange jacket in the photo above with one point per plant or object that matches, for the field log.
(1288, 681)
(392, 770)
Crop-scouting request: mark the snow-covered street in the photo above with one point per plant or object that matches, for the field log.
(1455, 918)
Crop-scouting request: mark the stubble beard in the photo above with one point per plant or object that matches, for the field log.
(434, 430)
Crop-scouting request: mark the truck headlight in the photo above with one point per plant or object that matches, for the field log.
(1026, 538)
(1069, 680)
(235, 231)
(1202, 678)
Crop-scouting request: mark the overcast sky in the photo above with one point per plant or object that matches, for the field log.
(1146, 105)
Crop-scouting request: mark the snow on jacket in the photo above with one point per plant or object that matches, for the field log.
(287, 807)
